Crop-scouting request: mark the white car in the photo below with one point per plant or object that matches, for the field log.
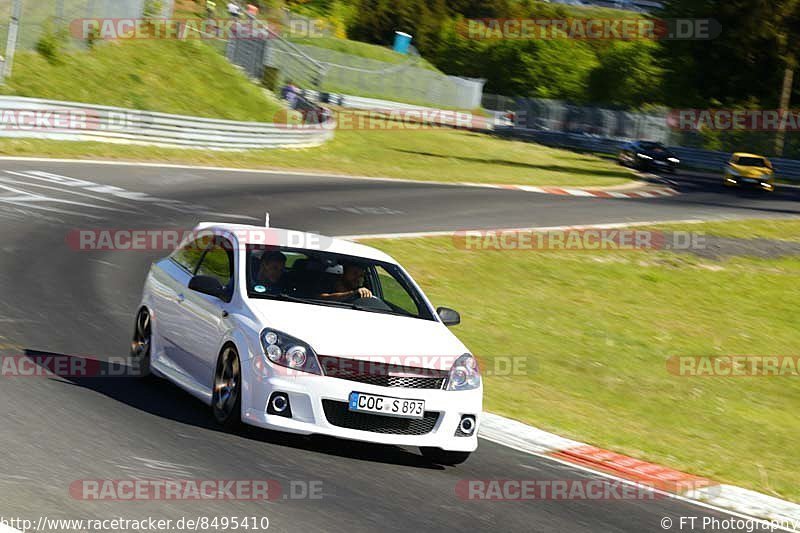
(307, 334)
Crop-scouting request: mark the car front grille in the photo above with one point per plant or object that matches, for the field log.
(383, 375)
(338, 414)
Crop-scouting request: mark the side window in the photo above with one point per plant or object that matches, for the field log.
(189, 255)
(395, 294)
(218, 262)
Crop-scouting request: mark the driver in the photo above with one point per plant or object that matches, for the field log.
(350, 284)
(270, 272)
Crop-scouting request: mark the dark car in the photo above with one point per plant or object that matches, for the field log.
(648, 155)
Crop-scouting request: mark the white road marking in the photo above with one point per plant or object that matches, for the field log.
(109, 194)
(77, 193)
(32, 197)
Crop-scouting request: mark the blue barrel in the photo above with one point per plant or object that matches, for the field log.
(401, 42)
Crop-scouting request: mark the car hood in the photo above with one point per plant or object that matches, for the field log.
(751, 172)
(352, 334)
(660, 155)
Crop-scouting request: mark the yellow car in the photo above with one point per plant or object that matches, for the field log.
(749, 170)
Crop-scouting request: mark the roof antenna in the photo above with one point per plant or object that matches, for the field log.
(266, 222)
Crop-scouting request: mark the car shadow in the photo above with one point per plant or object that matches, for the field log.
(159, 397)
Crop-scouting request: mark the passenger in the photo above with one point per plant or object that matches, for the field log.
(350, 285)
(270, 272)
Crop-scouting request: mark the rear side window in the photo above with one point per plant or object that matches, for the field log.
(218, 262)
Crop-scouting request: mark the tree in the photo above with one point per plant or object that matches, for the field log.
(746, 61)
(628, 75)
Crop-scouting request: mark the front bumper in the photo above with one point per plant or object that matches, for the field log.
(657, 164)
(765, 184)
(308, 394)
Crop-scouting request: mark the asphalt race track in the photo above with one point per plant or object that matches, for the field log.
(59, 300)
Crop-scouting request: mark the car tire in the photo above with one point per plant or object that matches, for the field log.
(444, 457)
(142, 342)
(226, 398)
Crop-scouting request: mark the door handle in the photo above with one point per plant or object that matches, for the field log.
(180, 298)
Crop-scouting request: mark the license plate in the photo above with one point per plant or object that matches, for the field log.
(749, 180)
(385, 405)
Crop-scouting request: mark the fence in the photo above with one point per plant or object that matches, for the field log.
(406, 82)
(70, 121)
(37, 15)
(559, 116)
(332, 71)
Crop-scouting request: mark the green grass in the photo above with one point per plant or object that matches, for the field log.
(360, 49)
(182, 77)
(433, 154)
(597, 328)
(776, 229)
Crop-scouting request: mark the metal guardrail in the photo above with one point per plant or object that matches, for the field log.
(407, 112)
(71, 121)
(788, 169)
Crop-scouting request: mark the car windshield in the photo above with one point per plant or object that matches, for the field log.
(646, 145)
(327, 279)
(752, 162)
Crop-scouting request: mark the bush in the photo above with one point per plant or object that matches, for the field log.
(153, 9)
(51, 43)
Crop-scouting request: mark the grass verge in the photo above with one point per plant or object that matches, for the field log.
(360, 49)
(597, 329)
(427, 155)
(131, 74)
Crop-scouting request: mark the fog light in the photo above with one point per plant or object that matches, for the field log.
(279, 405)
(467, 426)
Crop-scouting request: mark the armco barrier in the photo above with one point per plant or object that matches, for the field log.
(788, 169)
(71, 121)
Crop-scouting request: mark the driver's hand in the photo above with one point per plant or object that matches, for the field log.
(363, 292)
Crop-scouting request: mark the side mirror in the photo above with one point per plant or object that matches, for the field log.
(207, 285)
(449, 316)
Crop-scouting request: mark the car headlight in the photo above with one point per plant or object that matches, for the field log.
(644, 156)
(284, 350)
(465, 374)
(673, 160)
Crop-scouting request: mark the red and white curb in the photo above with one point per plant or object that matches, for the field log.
(650, 192)
(779, 514)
